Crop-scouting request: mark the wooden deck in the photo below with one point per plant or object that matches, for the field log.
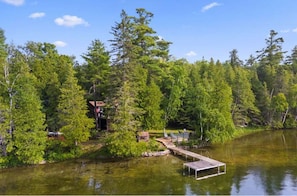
(202, 163)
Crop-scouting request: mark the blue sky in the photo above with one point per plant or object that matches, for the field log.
(198, 28)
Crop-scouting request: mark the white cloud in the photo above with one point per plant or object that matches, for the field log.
(191, 54)
(209, 6)
(285, 31)
(60, 43)
(37, 15)
(295, 30)
(14, 2)
(70, 21)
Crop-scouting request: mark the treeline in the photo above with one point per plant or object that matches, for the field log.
(39, 93)
(144, 88)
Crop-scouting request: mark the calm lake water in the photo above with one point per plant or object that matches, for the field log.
(262, 163)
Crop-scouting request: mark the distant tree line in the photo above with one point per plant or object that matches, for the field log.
(144, 88)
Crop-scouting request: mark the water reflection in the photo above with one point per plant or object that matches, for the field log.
(262, 164)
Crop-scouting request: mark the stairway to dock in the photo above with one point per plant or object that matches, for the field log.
(202, 163)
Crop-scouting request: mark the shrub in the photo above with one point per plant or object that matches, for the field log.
(58, 151)
(123, 144)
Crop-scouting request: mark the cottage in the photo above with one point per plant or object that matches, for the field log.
(98, 110)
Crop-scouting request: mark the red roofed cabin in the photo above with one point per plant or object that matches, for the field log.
(101, 120)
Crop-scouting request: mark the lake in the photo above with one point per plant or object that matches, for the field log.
(262, 163)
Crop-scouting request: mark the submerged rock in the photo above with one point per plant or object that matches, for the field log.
(156, 154)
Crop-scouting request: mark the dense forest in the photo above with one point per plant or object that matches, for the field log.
(144, 88)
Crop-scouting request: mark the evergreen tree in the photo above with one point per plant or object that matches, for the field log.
(208, 102)
(234, 59)
(121, 80)
(153, 113)
(269, 59)
(293, 60)
(270, 73)
(221, 126)
(29, 136)
(50, 69)
(72, 108)
(94, 74)
(122, 143)
(174, 85)
(196, 103)
(243, 97)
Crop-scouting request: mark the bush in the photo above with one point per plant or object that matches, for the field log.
(123, 144)
(3, 162)
(290, 122)
(58, 151)
(153, 146)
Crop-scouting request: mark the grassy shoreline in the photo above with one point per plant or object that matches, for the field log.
(243, 131)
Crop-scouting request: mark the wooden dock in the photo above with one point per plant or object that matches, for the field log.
(202, 163)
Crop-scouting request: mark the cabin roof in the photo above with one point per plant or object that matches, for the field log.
(98, 103)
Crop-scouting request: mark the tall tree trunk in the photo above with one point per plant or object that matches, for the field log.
(285, 116)
(201, 127)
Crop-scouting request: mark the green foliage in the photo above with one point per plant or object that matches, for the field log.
(144, 89)
(57, 150)
(243, 106)
(29, 136)
(153, 114)
(153, 146)
(94, 73)
(23, 121)
(279, 102)
(290, 122)
(125, 111)
(50, 69)
(124, 144)
(174, 87)
(279, 105)
(72, 112)
(207, 102)
(4, 126)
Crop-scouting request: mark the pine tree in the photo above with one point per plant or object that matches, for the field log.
(138, 59)
(94, 73)
(270, 73)
(123, 93)
(269, 59)
(243, 97)
(72, 108)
